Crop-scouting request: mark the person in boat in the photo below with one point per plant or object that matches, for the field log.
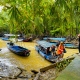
(53, 50)
(48, 51)
(60, 50)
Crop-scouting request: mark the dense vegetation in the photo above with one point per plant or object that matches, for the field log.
(41, 17)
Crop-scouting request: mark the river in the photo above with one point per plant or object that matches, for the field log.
(32, 62)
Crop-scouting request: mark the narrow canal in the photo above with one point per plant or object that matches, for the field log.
(32, 62)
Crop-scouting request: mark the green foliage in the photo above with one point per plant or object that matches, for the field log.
(60, 66)
(41, 17)
(14, 13)
(4, 25)
(55, 31)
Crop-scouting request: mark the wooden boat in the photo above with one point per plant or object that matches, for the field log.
(54, 39)
(18, 49)
(27, 39)
(41, 49)
(70, 45)
(66, 44)
(8, 36)
(5, 39)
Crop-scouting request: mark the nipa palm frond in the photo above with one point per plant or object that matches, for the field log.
(14, 13)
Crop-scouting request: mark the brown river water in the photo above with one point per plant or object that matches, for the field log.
(32, 62)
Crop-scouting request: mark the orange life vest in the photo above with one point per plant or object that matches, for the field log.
(60, 49)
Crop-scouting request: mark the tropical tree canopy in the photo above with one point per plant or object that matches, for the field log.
(41, 17)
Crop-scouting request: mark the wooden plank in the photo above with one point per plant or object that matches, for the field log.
(54, 65)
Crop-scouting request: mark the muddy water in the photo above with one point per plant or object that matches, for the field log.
(32, 62)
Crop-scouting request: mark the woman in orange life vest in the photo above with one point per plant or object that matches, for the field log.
(60, 50)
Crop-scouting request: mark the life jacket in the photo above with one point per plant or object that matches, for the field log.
(60, 49)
